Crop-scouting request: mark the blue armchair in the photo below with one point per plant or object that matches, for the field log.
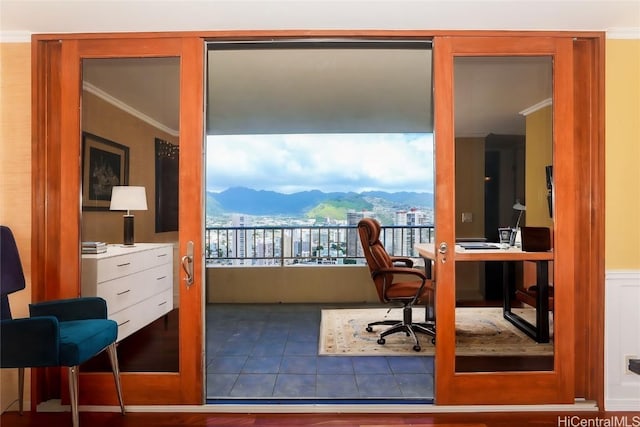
(57, 333)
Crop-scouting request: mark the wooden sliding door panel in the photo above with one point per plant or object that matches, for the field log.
(483, 385)
(61, 184)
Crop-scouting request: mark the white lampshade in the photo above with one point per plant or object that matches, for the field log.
(128, 198)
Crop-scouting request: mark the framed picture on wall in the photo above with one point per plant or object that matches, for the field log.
(104, 164)
(166, 186)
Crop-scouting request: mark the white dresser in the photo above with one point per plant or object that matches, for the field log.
(136, 282)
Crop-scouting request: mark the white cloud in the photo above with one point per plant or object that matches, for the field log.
(326, 162)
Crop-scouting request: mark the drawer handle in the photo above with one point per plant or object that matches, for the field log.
(161, 255)
(160, 278)
(124, 292)
(124, 323)
(124, 265)
(162, 303)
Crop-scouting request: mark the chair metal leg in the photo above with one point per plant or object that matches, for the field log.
(408, 327)
(113, 358)
(73, 394)
(21, 390)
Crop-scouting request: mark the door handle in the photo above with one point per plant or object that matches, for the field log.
(442, 250)
(187, 264)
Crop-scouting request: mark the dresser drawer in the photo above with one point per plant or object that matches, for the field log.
(129, 290)
(136, 282)
(122, 265)
(139, 315)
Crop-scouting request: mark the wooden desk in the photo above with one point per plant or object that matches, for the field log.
(539, 331)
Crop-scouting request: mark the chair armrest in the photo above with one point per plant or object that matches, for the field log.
(408, 262)
(29, 342)
(401, 270)
(71, 309)
(393, 271)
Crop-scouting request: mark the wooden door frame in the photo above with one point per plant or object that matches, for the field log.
(57, 213)
(55, 182)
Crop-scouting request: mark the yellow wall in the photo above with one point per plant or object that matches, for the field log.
(539, 153)
(15, 179)
(622, 242)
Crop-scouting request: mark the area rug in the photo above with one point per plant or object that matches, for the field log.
(480, 331)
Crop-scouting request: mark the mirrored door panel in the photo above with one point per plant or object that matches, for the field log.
(503, 161)
(130, 155)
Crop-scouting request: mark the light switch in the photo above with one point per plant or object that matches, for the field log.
(467, 217)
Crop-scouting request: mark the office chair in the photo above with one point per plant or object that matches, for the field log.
(57, 333)
(392, 287)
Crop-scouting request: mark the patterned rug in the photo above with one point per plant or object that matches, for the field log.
(480, 331)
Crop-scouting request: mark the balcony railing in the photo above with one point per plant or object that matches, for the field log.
(304, 245)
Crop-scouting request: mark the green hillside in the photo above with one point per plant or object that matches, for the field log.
(338, 208)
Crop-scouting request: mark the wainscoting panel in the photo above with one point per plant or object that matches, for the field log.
(622, 339)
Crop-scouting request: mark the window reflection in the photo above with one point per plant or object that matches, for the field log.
(130, 126)
(503, 140)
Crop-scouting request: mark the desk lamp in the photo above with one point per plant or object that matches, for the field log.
(518, 207)
(128, 198)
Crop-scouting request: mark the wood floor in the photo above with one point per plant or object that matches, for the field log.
(520, 419)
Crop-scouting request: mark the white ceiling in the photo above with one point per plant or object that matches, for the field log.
(70, 16)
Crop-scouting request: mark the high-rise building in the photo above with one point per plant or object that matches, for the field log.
(354, 248)
(405, 238)
(239, 241)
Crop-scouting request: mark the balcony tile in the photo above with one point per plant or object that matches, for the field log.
(295, 386)
(335, 365)
(262, 365)
(254, 385)
(298, 365)
(336, 386)
(371, 365)
(377, 385)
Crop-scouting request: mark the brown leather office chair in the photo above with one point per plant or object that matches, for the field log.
(395, 284)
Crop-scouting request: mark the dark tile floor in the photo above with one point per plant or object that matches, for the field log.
(270, 351)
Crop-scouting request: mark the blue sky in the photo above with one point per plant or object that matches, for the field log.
(326, 162)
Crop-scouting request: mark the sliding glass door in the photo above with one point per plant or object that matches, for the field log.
(576, 210)
(491, 165)
(131, 121)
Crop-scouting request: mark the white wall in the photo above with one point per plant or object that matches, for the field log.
(622, 339)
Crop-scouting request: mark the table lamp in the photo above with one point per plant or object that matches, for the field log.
(128, 198)
(518, 207)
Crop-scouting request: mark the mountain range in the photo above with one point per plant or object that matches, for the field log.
(314, 203)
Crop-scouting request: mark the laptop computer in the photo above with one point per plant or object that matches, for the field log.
(478, 245)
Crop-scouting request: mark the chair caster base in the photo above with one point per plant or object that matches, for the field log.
(416, 348)
(381, 341)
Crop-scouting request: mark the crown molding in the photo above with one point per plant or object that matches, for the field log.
(125, 107)
(15, 37)
(540, 105)
(623, 33)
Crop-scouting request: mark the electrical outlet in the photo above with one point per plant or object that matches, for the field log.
(627, 358)
(467, 217)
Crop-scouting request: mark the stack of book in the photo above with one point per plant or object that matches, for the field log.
(94, 247)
